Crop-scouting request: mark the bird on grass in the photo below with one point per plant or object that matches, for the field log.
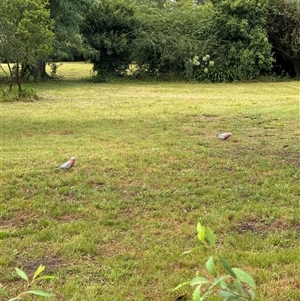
(68, 164)
(224, 136)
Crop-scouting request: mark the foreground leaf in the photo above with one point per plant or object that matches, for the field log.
(227, 267)
(196, 293)
(220, 281)
(199, 281)
(245, 277)
(201, 232)
(239, 287)
(39, 293)
(252, 295)
(22, 274)
(46, 277)
(210, 266)
(227, 295)
(38, 271)
(192, 250)
(211, 236)
(181, 285)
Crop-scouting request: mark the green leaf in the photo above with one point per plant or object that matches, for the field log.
(46, 277)
(39, 293)
(227, 267)
(244, 277)
(211, 236)
(22, 274)
(227, 295)
(198, 281)
(181, 285)
(38, 271)
(192, 250)
(196, 293)
(224, 285)
(252, 295)
(210, 266)
(220, 281)
(201, 232)
(239, 287)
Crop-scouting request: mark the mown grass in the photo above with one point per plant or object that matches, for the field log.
(149, 167)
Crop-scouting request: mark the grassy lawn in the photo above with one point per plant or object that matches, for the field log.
(148, 168)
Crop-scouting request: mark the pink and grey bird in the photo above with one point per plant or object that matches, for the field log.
(68, 164)
(224, 136)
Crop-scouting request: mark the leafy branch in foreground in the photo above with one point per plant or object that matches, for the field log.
(237, 285)
(29, 282)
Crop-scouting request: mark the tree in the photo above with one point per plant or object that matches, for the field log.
(238, 39)
(67, 16)
(284, 34)
(169, 37)
(109, 29)
(25, 36)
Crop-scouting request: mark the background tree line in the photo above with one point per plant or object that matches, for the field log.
(218, 40)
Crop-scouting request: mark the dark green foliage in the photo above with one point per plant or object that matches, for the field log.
(68, 15)
(233, 33)
(109, 30)
(161, 38)
(25, 37)
(168, 38)
(238, 40)
(284, 35)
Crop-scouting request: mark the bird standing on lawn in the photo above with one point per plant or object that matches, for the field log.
(68, 164)
(224, 136)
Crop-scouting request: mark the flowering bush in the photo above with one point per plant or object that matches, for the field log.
(205, 69)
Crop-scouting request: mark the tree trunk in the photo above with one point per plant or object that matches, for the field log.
(38, 71)
(296, 64)
(19, 79)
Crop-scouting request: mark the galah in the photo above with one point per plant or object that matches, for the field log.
(68, 164)
(224, 136)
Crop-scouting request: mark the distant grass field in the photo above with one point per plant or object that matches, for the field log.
(149, 167)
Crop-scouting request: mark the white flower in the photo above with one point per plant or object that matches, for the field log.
(196, 61)
(207, 56)
(205, 70)
(211, 63)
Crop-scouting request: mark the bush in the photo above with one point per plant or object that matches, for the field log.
(109, 30)
(284, 34)
(168, 37)
(238, 41)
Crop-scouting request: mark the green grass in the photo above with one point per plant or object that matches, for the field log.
(149, 167)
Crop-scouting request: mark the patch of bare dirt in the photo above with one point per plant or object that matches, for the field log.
(289, 157)
(19, 219)
(260, 227)
(50, 263)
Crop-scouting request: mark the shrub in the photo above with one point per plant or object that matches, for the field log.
(238, 41)
(284, 34)
(109, 29)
